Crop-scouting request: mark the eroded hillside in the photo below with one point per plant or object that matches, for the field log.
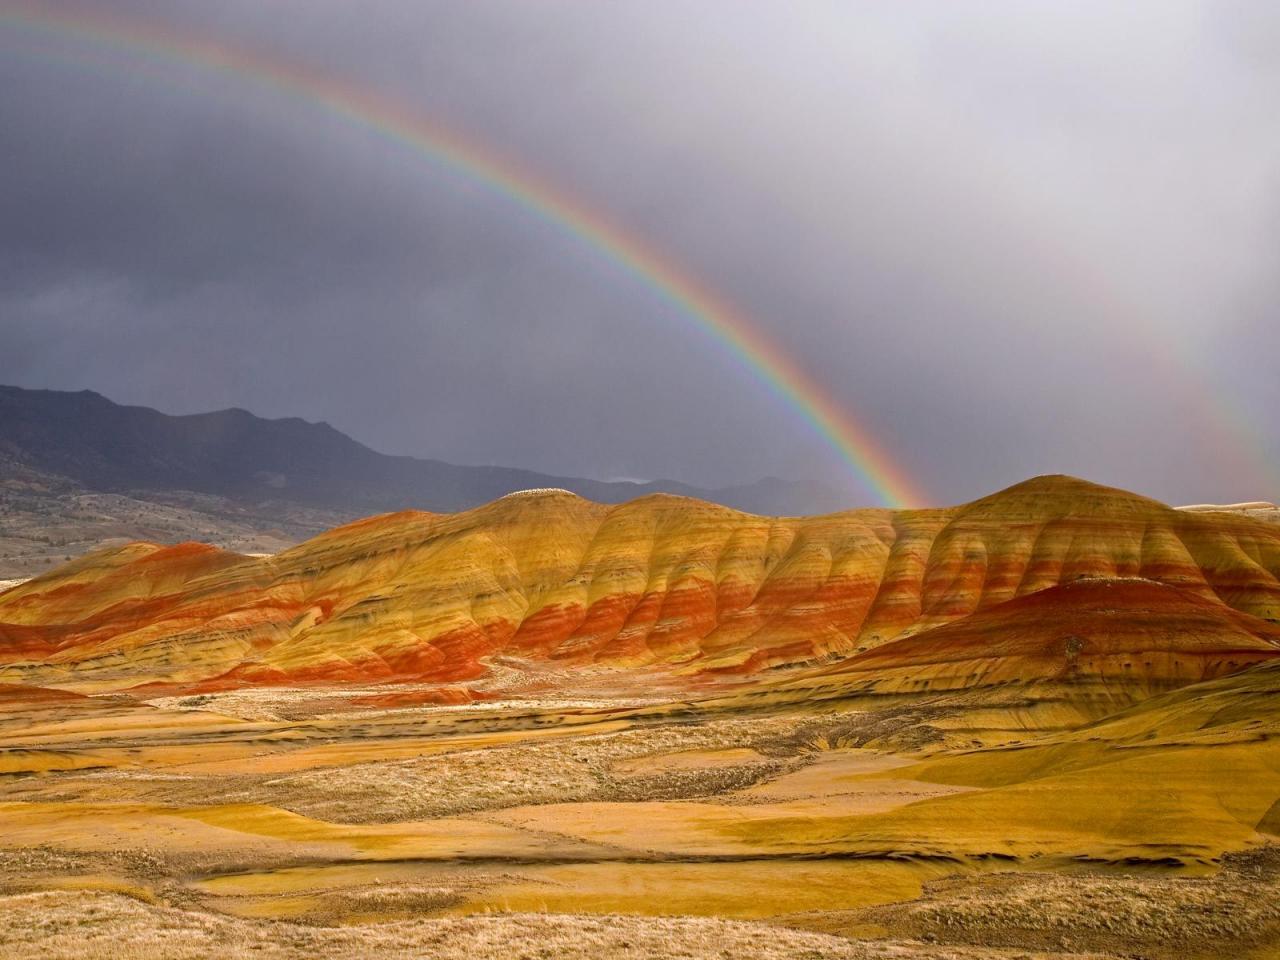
(663, 584)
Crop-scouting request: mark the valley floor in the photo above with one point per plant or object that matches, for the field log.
(316, 823)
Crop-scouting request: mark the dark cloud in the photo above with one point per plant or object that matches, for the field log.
(1022, 238)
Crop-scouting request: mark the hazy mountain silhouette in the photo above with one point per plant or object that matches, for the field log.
(107, 447)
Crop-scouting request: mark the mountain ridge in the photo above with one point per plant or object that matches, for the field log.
(103, 446)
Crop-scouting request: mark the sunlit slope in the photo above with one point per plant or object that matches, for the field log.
(102, 582)
(1052, 660)
(662, 582)
(1183, 776)
(1131, 633)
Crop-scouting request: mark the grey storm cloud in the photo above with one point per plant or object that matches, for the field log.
(1009, 238)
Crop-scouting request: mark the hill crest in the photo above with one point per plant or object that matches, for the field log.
(658, 584)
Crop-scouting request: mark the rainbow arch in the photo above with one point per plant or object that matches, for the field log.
(867, 457)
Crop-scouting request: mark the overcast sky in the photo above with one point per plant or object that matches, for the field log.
(1009, 238)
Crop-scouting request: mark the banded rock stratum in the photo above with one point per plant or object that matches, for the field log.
(1052, 579)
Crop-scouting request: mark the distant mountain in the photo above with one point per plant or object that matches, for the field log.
(100, 446)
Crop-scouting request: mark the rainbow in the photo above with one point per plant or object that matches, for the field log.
(867, 457)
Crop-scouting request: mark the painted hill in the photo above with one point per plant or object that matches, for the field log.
(1056, 659)
(84, 441)
(1123, 631)
(1049, 579)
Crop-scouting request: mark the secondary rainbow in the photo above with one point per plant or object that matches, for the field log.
(867, 457)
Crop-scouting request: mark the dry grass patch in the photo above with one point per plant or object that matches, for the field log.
(1234, 913)
(593, 767)
(60, 926)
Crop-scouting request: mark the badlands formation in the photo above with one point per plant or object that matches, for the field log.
(1046, 723)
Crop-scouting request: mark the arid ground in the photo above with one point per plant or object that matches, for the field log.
(1087, 765)
(299, 823)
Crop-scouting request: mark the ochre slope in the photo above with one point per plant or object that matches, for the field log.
(131, 574)
(1128, 632)
(1182, 776)
(1051, 660)
(662, 583)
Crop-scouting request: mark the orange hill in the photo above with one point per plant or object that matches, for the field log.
(1131, 629)
(949, 596)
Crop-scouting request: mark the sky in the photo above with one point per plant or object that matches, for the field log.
(1006, 238)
